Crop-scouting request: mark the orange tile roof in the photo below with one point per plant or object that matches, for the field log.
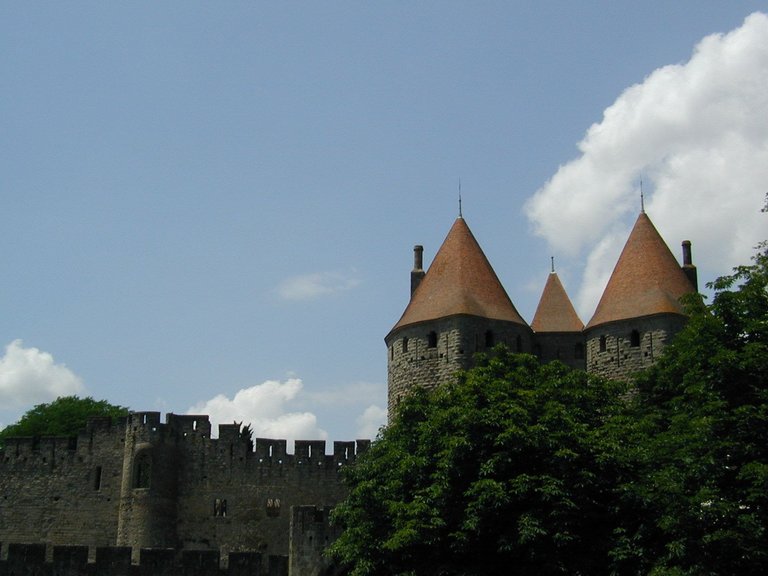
(555, 312)
(459, 281)
(647, 279)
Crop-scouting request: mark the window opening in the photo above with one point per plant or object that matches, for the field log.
(273, 507)
(489, 339)
(97, 478)
(143, 471)
(405, 344)
(634, 339)
(602, 344)
(432, 340)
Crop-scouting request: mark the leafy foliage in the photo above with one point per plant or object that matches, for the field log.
(506, 467)
(65, 416)
(700, 498)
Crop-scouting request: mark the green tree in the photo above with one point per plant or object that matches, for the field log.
(697, 500)
(508, 470)
(65, 416)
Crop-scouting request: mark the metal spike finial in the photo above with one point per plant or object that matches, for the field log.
(460, 216)
(642, 198)
(552, 258)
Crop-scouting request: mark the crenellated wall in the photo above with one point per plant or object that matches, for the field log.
(30, 560)
(143, 483)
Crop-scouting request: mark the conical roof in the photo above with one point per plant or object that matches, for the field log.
(459, 281)
(555, 312)
(647, 279)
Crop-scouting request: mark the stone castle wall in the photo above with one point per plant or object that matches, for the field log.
(618, 349)
(33, 560)
(567, 347)
(146, 484)
(431, 353)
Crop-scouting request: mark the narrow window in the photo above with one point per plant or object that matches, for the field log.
(634, 339)
(489, 339)
(97, 478)
(392, 352)
(432, 340)
(602, 343)
(273, 507)
(143, 471)
(578, 351)
(405, 344)
(519, 344)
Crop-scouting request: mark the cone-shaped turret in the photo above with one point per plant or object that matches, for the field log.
(647, 279)
(459, 281)
(555, 313)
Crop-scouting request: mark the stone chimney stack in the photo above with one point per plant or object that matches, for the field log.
(418, 271)
(688, 267)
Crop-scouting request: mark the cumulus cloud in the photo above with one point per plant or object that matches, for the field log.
(369, 422)
(310, 286)
(697, 135)
(265, 407)
(30, 376)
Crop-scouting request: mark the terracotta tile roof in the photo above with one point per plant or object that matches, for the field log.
(647, 279)
(555, 312)
(459, 281)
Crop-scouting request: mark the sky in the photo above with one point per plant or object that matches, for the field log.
(211, 208)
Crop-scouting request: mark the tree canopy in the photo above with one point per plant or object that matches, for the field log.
(65, 416)
(506, 467)
(522, 468)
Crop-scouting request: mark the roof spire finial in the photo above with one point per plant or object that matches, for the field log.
(552, 258)
(460, 216)
(642, 199)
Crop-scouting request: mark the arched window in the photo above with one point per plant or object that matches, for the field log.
(634, 339)
(142, 472)
(432, 340)
(578, 351)
(490, 340)
(603, 344)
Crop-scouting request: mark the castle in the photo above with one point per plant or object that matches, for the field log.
(142, 496)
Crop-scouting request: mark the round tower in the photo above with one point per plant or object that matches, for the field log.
(147, 513)
(457, 308)
(640, 310)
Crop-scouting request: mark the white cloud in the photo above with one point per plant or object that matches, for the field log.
(697, 133)
(310, 286)
(369, 422)
(264, 407)
(30, 376)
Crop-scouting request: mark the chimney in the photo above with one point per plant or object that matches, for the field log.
(418, 271)
(688, 268)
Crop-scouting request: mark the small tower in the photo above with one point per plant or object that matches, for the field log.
(457, 308)
(557, 328)
(640, 309)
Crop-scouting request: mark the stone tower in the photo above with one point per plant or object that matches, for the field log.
(640, 309)
(557, 327)
(458, 307)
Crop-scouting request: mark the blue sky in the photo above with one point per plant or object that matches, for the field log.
(212, 206)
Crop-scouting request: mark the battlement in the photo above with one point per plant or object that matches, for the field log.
(33, 559)
(178, 430)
